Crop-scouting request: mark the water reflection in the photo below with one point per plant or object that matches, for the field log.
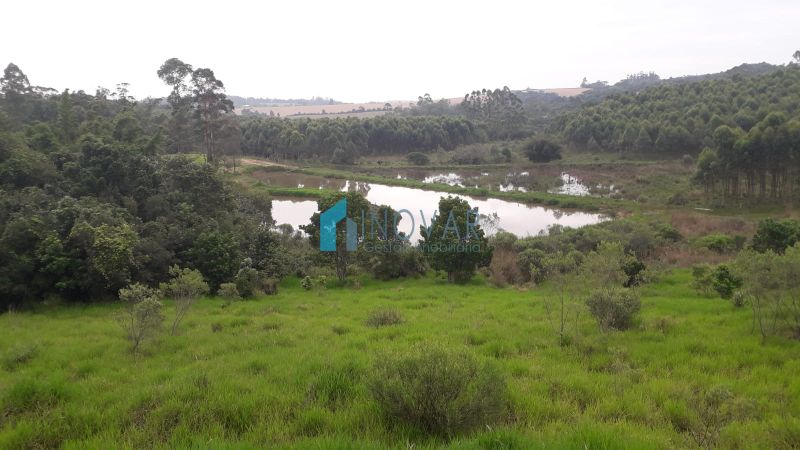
(517, 218)
(571, 186)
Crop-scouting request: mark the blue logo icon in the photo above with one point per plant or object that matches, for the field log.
(327, 224)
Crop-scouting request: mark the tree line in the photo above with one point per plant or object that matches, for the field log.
(92, 202)
(681, 118)
(342, 140)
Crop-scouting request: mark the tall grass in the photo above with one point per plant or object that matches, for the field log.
(274, 375)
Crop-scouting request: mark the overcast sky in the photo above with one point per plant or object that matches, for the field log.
(380, 50)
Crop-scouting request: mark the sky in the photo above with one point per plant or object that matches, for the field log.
(377, 50)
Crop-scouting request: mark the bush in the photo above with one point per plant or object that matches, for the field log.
(504, 268)
(678, 199)
(531, 264)
(405, 261)
(247, 279)
(722, 243)
(142, 317)
(185, 287)
(776, 235)
(307, 283)
(667, 232)
(724, 281)
(384, 317)
(702, 280)
(613, 308)
(228, 291)
(269, 286)
(542, 150)
(739, 299)
(438, 391)
(418, 159)
(635, 271)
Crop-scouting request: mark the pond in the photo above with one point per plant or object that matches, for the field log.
(518, 218)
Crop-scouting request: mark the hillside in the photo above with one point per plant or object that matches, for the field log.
(680, 117)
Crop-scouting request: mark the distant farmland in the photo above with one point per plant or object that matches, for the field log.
(369, 108)
(338, 109)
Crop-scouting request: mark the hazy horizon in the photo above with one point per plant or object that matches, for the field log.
(357, 51)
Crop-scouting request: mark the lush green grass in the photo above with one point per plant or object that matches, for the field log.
(290, 371)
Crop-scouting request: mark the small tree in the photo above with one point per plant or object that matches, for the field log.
(455, 243)
(604, 268)
(142, 317)
(771, 283)
(724, 281)
(185, 287)
(341, 257)
(701, 279)
(776, 235)
(542, 150)
(560, 269)
(247, 279)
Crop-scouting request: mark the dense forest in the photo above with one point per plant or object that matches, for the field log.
(746, 130)
(680, 118)
(342, 140)
(430, 125)
(91, 201)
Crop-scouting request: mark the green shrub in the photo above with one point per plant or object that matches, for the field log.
(613, 308)
(739, 299)
(228, 291)
(724, 281)
(418, 159)
(542, 150)
(722, 243)
(142, 317)
(384, 317)
(667, 232)
(184, 288)
(405, 261)
(441, 392)
(702, 281)
(269, 286)
(776, 235)
(247, 279)
(713, 408)
(635, 271)
(307, 283)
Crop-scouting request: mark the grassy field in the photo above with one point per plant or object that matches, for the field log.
(292, 370)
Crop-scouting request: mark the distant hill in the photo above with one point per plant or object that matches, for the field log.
(642, 80)
(680, 115)
(240, 102)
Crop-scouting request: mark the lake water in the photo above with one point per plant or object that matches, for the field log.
(518, 218)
